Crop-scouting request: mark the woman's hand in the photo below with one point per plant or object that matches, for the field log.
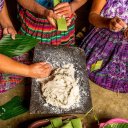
(64, 10)
(39, 70)
(126, 33)
(51, 16)
(68, 21)
(11, 31)
(116, 24)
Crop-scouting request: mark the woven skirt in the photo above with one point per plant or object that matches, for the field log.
(40, 28)
(112, 49)
(8, 81)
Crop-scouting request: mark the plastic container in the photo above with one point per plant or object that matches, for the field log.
(115, 120)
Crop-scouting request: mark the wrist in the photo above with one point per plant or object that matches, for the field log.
(45, 12)
(7, 26)
(71, 7)
(26, 71)
(23, 72)
(107, 22)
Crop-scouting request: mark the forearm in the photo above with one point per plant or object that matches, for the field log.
(4, 17)
(7, 65)
(76, 4)
(98, 21)
(32, 6)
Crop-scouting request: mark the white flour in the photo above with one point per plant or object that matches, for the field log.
(60, 89)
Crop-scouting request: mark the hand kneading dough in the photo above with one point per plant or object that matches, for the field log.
(60, 89)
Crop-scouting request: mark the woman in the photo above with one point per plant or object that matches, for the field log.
(8, 65)
(106, 46)
(37, 19)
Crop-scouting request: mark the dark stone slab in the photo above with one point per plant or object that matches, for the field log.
(58, 56)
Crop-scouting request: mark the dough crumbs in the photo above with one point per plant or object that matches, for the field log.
(61, 88)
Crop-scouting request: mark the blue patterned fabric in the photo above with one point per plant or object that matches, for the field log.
(49, 3)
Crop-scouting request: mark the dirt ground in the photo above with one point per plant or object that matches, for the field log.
(106, 105)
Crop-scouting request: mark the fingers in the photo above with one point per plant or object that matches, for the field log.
(121, 23)
(5, 31)
(126, 33)
(40, 70)
(64, 13)
(68, 20)
(45, 73)
(51, 14)
(52, 21)
(10, 30)
(116, 24)
(61, 5)
(46, 65)
(63, 9)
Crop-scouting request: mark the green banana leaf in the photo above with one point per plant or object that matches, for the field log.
(56, 122)
(55, 2)
(12, 108)
(96, 65)
(19, 46)
(49, 126)
(68, 125)
(76, 123)
(121, 125)
(61, 23)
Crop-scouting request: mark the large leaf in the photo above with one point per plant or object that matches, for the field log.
(49, 126)
(12, 108)
(68, 125)
(20, 45)
(96, 65)
(76, 123)
(61, 23)
(121, 125)
(56, 122)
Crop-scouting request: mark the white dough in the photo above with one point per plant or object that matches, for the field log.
(60, 89)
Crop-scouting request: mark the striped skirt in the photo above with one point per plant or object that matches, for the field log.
(40, 28)
(8, 81)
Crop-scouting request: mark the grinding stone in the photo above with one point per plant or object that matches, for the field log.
(58, 56)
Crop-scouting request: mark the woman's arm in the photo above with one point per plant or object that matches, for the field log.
(37, 70)
(4, 17)
(33, 6)
(66, 9)
(6, 22)
(76, 4)
(7, 65)
(114, 24)
(94, 16)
